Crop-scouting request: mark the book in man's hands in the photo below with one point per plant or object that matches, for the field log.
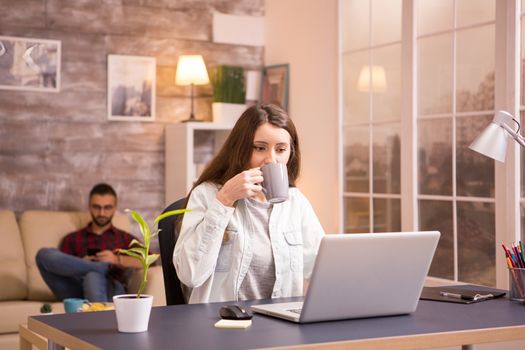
(463, 294)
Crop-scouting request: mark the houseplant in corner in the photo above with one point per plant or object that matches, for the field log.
(133, 310)
(229, 93)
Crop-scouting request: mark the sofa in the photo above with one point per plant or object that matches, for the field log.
(23, 290)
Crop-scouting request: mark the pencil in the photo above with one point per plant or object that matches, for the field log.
(507, 253)
(521, 251)
(517, 256)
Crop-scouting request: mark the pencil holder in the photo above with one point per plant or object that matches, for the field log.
(517, 284)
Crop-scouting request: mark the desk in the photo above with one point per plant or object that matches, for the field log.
(434, 324)
(29, 339)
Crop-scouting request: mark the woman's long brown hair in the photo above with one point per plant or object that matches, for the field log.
(234, 156)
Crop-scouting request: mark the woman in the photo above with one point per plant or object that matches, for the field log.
(234, 245)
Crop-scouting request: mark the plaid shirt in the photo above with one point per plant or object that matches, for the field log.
(77, 243)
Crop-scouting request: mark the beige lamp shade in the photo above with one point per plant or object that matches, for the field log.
(191, 70)
(372, 78)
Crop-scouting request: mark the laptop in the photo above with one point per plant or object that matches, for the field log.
(362, 275)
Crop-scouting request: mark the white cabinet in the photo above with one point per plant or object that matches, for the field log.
(189, 148)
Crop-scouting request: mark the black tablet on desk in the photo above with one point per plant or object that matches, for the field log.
(462, 294)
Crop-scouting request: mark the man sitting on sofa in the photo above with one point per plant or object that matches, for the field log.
(86, 266)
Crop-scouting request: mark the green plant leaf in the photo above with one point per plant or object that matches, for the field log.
(169, 213)
(140, 250)
(133, 254)
(135, 241)
(155, 233)
(228, 84)
(144, 228)
(152, 258)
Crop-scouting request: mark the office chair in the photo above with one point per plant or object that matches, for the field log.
(167, 238)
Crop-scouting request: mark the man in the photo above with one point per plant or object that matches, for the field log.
(87, 266)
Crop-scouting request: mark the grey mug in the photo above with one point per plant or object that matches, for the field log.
(275, 184)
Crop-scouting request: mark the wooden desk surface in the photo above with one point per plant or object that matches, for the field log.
(434, 324)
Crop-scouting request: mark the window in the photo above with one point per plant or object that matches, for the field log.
(372, 115)
(454, 95)
(455, 99)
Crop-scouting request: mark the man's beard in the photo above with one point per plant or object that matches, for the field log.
(101, 221)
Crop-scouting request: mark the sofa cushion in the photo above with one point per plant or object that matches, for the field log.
(12, 265)
(46, 229)
(17, 312)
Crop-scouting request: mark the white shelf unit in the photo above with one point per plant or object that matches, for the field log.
(189, 148)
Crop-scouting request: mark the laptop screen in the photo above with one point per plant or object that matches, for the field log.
(362, 275)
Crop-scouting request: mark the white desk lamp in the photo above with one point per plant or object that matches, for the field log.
(492, 142)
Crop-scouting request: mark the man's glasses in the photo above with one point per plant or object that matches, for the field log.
(102, 207)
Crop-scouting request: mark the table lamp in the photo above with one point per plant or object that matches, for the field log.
(191, 70)
(492, 142)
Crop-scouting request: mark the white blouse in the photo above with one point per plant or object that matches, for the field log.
(213, 252)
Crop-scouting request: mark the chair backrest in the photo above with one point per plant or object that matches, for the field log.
(167, 238)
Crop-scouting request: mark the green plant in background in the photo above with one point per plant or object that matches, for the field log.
(228, 84)
(46, 308)
(139, 250)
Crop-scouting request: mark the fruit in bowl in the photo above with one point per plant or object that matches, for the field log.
(89, 307)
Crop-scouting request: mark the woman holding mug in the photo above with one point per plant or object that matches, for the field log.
(235, 244)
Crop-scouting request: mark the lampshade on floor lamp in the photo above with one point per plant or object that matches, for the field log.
(191, 70)
(492, 142)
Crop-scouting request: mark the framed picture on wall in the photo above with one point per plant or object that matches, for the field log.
(29, 64)
(131, 88)
(274, 85)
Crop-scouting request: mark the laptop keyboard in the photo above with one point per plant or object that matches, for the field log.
(297, 311)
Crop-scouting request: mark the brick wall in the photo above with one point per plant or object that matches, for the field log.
(55, 146)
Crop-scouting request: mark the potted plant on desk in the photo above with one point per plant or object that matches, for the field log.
(133, 310)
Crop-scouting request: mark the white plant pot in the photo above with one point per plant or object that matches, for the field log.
(132, 312)
(227, 113)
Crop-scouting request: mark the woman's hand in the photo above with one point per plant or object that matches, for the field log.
(243, 185)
